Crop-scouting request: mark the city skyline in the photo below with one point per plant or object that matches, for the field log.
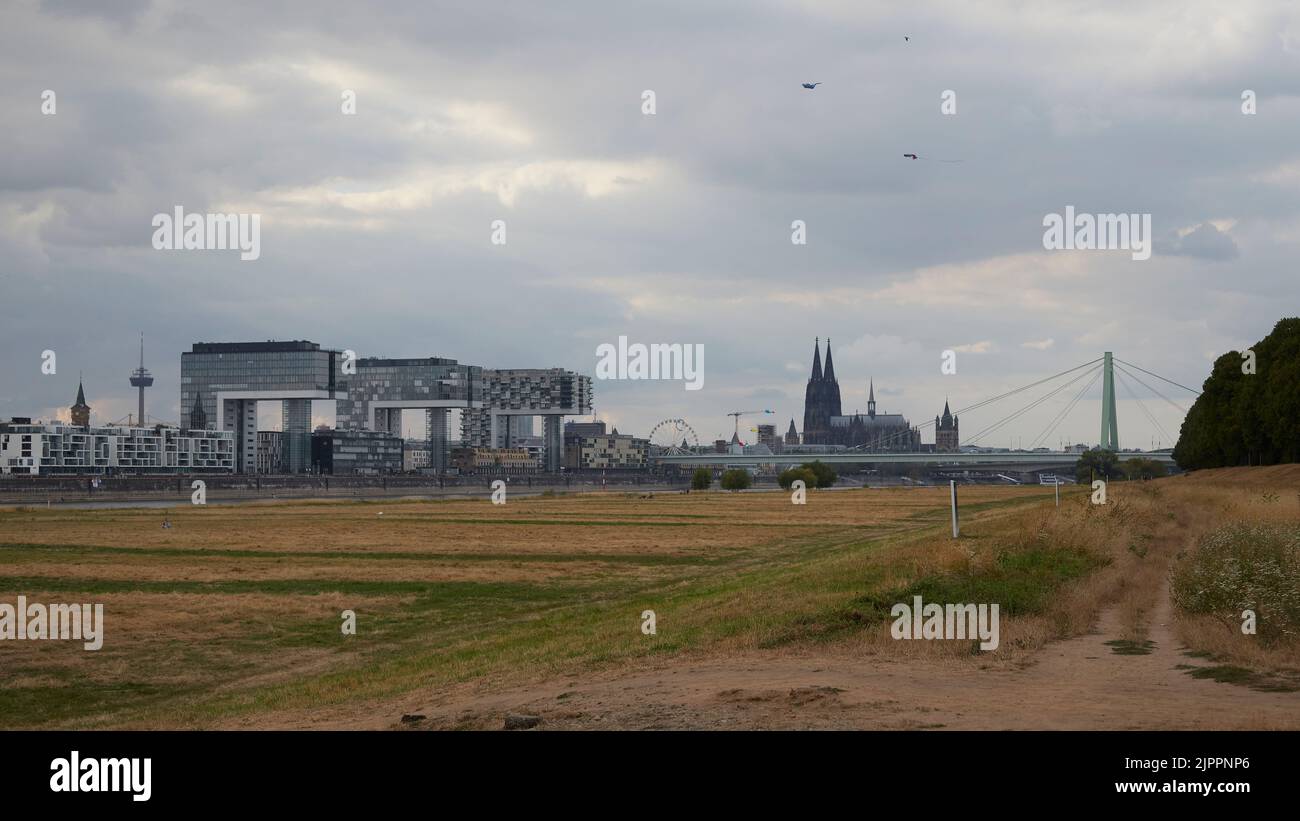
(324, 413)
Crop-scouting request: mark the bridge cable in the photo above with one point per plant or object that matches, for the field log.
(1141, 406)
(1060, 416)
(1007, 419)
(1157, 376)
(978, 405)
(1133, 376)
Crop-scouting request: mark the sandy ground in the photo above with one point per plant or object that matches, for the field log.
(1076, 684)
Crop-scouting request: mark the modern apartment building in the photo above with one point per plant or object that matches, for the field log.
(270, 451)
(551, 393)
(612, 451)
(58, 448)
(375, 391)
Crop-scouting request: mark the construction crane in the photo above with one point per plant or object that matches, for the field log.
(735, 415)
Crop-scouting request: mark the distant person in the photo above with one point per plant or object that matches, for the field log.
(167, 524)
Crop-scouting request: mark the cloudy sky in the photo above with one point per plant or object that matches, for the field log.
(668, 227)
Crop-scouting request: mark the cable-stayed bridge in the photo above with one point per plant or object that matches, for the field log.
(1106, 368)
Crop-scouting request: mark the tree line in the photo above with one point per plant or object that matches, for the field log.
(1248, 412)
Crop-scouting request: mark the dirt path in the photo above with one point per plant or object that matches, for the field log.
(1079, 683)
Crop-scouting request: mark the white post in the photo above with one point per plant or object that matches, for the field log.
(952, 485)
(1058, 490)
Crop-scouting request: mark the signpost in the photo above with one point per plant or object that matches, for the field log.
(952, 486)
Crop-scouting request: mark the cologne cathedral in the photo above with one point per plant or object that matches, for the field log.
(825, 424)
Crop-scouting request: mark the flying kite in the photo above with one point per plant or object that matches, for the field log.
(811, 85)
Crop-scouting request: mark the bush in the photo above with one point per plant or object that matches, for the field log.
(1139, 468)
(1245, 567)
(825, 475)
(736, 479)
(701, 479)
(786, 478)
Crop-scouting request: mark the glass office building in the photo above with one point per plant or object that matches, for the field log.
(226, 380)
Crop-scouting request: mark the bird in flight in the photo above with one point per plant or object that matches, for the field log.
(906, 39)
(928, 159)
(811, 85)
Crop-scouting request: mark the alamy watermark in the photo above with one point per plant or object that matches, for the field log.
(77, 774)
(76, 622)
(654, 361)
(1098, 232)
(952, 621)
(208, 232)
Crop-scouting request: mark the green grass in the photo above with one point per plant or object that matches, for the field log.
(1020, 582)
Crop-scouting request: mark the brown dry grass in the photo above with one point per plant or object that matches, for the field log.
(237, 608)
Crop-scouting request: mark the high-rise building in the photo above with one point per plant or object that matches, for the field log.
(377, 390)
(270, 451)
(551, 393)
(228, 379)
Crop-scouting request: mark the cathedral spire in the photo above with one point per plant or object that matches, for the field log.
(871, 400)
(817, 359)
(830, 365)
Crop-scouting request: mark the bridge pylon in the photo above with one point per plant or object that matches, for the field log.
(1109, 427)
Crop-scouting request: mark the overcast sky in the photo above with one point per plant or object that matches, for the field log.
(671, 227)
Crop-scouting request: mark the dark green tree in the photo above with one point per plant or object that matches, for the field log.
(736, 479)
(786, 478)
(1247, 418)
(1096, 464)
(701, 479)
(825, 475)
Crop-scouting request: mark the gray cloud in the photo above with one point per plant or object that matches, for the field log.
(1205, 241)
(674, 227)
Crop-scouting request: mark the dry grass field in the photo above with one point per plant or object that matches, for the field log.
(231, 617)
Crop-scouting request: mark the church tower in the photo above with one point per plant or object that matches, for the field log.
(832, 384)
(815, 419)
(821, 398)
(792, 435)
(946, 438)
(80, 410)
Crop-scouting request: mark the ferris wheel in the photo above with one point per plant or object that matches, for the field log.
(672, 437)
